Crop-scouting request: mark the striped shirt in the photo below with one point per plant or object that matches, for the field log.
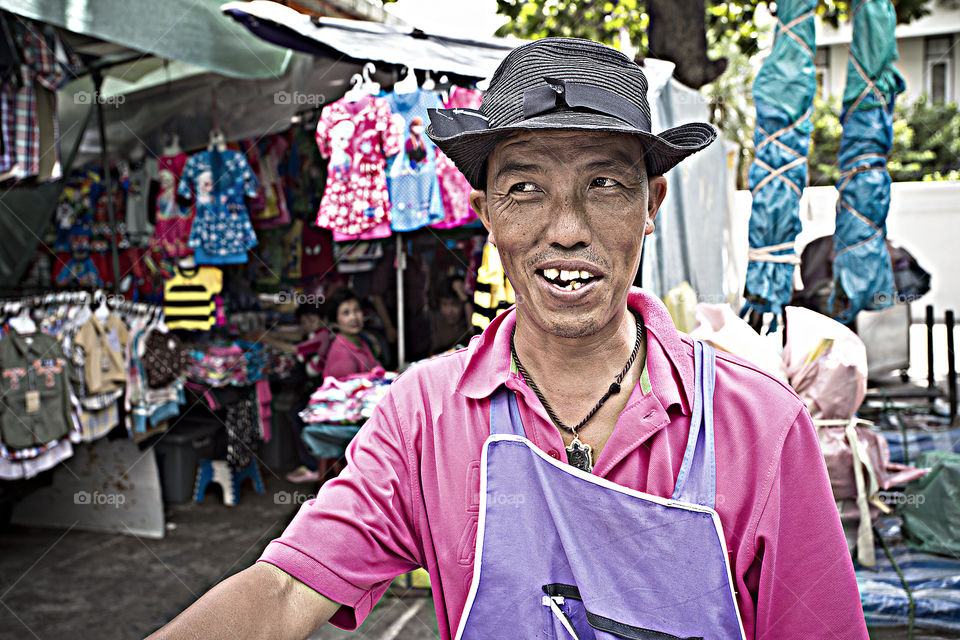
(188, 298)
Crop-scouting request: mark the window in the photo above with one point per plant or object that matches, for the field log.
(939, 57)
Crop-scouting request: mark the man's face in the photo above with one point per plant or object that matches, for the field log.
(568, 211)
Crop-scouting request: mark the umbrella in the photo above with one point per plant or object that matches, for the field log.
(862, 273)
(783, 92)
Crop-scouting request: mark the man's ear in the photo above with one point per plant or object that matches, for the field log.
(478, 200)
(656, 192)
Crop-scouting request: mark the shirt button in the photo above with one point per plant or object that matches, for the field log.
(554, 454)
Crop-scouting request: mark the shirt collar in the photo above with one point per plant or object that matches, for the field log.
(21, 344)
(669, 363)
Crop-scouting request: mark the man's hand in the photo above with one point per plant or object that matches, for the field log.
(257, 603)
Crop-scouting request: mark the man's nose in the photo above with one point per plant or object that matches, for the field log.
(568, 226)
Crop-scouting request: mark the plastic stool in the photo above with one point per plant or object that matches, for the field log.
(229, 479)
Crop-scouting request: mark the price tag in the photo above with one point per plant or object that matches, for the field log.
(33, 402)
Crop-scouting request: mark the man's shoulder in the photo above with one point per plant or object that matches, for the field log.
(743, 387)
(438, 374)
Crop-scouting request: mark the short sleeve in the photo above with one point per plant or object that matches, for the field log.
(322, 135)
(212, 279)
(360, 532)
(391, 129)
(185, 189)
(807, 586)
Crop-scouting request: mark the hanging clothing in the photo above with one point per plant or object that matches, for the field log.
(29, 145)
(164, 358)
(218, 181)
(149, 407)
(79, 271)
(104, 345)
(454, 188)
(35, 380)
(412, 175)
(265, 156)
(30, 467)
(317, 252)
(493, 293)
(139, 227)
(172, 230)
(188, 298)
(243, 430)
(356, 137)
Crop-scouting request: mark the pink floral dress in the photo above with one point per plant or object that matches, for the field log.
(356, 137)
(454, 188)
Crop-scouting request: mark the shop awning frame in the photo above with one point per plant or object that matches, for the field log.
(360, 41)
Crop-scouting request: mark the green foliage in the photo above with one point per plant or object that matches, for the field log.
(603, 20)
(600, 20)
(926, 142)
(731, 99)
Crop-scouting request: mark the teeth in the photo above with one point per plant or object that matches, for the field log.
(585, 275)
(577, 284)
(569, 275)
(551, 274)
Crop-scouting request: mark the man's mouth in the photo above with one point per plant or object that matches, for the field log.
(567, 280)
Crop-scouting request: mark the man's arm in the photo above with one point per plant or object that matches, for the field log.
(257, 603)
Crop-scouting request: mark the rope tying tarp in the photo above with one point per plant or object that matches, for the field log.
(783, 94)
(862, 273)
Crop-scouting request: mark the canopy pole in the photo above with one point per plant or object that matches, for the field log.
(401, 342)
(108, 191)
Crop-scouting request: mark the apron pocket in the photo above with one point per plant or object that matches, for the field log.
(568, 611)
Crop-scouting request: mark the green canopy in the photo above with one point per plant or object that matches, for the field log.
(192, 31)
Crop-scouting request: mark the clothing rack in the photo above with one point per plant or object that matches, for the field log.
(13, 304)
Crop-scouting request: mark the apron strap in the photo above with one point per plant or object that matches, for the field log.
(504, 413)
(697, 480)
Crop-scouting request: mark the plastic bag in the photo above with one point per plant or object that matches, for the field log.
(722, 328)
(826, 364)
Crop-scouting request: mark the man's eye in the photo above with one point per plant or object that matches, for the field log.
(604, 182)
(523, 187)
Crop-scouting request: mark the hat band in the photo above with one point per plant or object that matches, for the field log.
(573, 95)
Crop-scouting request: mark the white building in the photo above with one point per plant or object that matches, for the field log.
(929, 54)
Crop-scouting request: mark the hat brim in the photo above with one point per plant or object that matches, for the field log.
(661, 152)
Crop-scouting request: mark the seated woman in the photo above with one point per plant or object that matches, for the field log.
(450, 322)
(349, 352)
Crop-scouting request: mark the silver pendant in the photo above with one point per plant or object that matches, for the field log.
(580, 455)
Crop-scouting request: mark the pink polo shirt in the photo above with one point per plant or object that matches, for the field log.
(345, 358)
(410, 494)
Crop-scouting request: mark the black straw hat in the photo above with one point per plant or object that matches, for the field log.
(562, 83)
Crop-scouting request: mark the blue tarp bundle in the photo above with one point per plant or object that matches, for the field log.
(783, 92)
(862, 273)
(934, 582)
(918, 441)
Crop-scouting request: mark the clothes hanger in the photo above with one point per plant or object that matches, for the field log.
(217, 141)
(428, 83)
(172, 146)
(356, 91)
(102, 311)
(22, 322)
(369, 86)
(408, 84)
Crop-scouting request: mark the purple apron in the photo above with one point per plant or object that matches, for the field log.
(565, 554)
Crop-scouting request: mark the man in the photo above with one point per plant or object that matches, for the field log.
(463, 468)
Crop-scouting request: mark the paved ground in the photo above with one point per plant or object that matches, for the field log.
(68, 583)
